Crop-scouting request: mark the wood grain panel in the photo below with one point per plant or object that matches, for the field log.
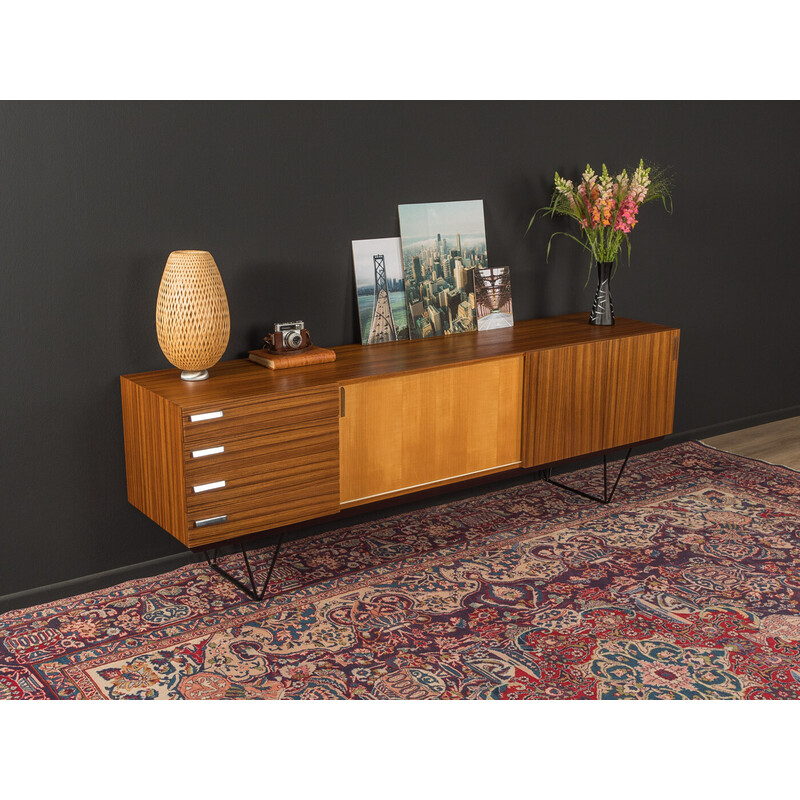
(566, 392)
(424, 488)
(272, 498)
(246, 456)
(242, 379)
(153, 434)
(302, 473)
(266, 510)
(641, 388)
(248, 419)
(598, 396)
(419, 428)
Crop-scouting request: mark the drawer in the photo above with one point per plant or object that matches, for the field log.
(290, 476)
(261, 511)
(233, 457)
(205, 428)
(260, 464)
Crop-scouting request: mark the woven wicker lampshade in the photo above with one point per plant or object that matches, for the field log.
(192, 320)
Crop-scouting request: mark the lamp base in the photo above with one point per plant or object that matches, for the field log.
(189, 375)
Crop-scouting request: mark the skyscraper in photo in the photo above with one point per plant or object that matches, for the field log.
(437, 319)
(460, 275)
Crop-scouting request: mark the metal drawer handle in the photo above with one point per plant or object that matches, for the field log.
(205, 416)
(204, 487)
(202, 523)
(209, 451)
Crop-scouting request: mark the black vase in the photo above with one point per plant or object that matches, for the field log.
(603, 308)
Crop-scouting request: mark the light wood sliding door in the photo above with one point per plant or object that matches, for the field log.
(596, 396)
(427, 428)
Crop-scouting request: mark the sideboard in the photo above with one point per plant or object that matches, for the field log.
(252, 449)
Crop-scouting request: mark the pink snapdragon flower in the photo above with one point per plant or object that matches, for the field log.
(626, 217)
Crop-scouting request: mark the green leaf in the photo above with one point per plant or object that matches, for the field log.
(569, 236)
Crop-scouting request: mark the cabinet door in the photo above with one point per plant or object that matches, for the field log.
(641, 388)
(428, 428)
(595, 396)
(566, 397)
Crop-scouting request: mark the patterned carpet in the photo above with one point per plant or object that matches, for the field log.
(686, 586)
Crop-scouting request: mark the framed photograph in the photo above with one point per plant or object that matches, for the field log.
(443, 244)
(493, 298)
(380, 290)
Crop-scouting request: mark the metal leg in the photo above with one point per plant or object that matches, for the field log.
(606, 498)
(251, 590)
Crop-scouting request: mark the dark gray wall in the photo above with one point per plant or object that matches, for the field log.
(94, 196)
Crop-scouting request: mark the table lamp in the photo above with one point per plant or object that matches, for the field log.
(192, 319)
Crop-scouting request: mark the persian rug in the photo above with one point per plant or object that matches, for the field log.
(687, 585)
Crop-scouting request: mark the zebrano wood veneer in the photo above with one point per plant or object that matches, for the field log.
(252, 449)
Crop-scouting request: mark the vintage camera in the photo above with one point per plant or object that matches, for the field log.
(289, 337)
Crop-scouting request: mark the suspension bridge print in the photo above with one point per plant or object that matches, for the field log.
(380, 290)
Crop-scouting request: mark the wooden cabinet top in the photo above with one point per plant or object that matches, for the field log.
(241, 379)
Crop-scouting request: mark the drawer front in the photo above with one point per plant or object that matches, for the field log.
(261, 511)
(241, 457)
(261, 465)
(206, 428)
(290, 475)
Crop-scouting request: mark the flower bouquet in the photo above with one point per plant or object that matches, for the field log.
(605, 207)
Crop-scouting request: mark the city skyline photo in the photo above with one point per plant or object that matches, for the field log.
(442, 245)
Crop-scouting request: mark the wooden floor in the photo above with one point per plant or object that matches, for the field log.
(775, 442)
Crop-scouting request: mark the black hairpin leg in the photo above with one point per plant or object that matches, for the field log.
(251, 590)
(606, 498)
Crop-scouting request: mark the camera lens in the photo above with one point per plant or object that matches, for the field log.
(294, 339)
